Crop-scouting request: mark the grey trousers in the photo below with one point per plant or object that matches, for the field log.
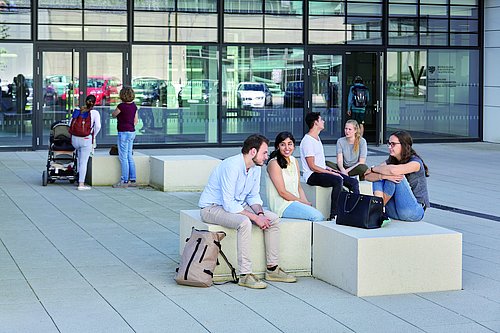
(217, 215)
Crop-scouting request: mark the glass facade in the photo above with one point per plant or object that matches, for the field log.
(211, 72)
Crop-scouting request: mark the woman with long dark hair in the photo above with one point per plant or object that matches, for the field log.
(285, 196)
(401, 180)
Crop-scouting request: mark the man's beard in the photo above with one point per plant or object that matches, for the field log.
(255, 162)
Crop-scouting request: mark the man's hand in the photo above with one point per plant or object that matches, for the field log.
(349, 113)
(263, 222)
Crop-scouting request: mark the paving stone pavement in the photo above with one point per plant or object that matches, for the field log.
(104, 260)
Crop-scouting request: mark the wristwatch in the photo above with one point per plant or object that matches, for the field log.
(260, 213)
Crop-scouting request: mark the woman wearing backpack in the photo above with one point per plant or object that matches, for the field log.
(83, 144)
(126, 114)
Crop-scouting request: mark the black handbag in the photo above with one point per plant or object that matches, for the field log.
(359, 210)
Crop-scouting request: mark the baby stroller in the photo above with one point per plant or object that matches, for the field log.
(61, 162)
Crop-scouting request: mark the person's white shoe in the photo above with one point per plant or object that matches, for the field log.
(83, 188)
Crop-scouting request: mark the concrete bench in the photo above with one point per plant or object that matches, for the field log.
(295, 245)
(404, 257)
(181, 172)
(320, 197)
(105, 170)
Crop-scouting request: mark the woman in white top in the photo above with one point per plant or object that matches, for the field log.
(83, 145)
(351, 152)
(284, 194)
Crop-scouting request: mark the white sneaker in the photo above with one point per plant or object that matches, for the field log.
(83, 188)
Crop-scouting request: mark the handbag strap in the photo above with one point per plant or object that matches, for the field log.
(354, 206)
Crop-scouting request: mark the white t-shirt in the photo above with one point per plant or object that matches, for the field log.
(309, 146)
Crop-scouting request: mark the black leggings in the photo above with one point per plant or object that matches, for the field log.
(336, 183)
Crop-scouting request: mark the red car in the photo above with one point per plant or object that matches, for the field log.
(102, 87)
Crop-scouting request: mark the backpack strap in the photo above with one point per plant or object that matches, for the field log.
(233, 271)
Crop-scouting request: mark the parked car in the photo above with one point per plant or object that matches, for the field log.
(294, 94)
(198, 92)
(102, 87)
(148, 90)
(253, 95)
(58, 82)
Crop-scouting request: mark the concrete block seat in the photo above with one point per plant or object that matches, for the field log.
(320, 197)
(105, 170)
(295, 245)
(181, 172)
(404, 257)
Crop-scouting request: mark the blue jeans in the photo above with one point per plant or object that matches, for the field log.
(402, 205)
(125, 145)
(298, 210)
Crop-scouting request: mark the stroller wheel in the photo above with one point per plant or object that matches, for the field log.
(44, 178)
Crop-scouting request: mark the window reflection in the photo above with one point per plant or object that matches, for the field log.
(433, 94)
(16, 98)
(177, 91)
(262, 91)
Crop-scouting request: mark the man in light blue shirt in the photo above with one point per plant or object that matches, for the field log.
(231, 199)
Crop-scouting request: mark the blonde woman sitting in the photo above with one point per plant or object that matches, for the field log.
(285, 196)
(351, 152)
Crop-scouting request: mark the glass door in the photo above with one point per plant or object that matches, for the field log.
(60, 73)
(326, 92)
(104, 77)
(68, 76)
(365, 69)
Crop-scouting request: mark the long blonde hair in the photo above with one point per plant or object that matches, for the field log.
(357, 134)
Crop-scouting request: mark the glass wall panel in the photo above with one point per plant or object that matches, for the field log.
(177, 92)
(463, 12)
(278, 16)
(434, 11)
(60, 32)
(61, 91)
(60, 16)
(197, 5)
(108, 18)
(196, 35)
(194, 21)
(154, 19)
(403, 31)
(16, 99)
(106, 4)
(243, 36)
(433, 94)
(15, 20)
(107, 33)
(293, 7)
(278, 36)
(153, 34)
(364, 9)
(243, 6)
(406, 10)
(464, 39)
(464, 26)
(262, 92)
(360, 22)
(152, 5)
(77, 4)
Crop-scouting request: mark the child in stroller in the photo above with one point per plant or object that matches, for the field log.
(61, 160)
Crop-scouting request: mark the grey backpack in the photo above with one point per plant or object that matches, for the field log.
(199, 259)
